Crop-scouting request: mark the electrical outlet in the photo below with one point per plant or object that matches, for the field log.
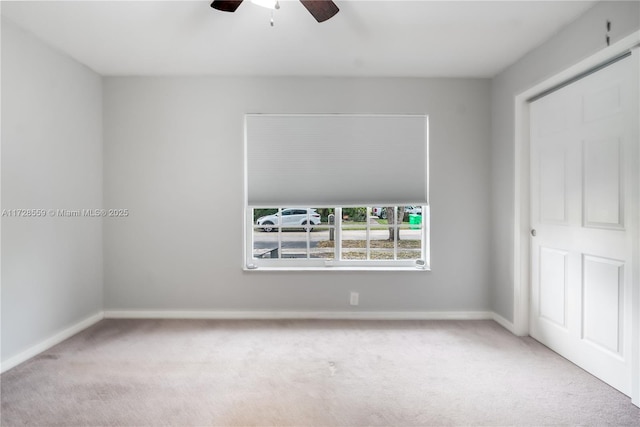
(353, 299)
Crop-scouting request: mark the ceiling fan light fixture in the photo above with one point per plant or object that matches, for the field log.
(269, 4)
(321, 10)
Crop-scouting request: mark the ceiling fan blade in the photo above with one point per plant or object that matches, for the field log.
(226, 5)
(320, 9)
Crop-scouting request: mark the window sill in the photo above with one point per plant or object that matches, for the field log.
(337, 268)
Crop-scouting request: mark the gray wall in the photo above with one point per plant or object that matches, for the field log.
(51, 158)
(579, 40)
(174, 157)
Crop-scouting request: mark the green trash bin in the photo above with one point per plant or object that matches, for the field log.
(415, 221)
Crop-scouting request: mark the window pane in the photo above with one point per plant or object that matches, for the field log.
(266, 218)
(354, 240)
(410, 243)
(294, 243)
(265, 245)
(322, 238)
(265, 233)
(321, 243)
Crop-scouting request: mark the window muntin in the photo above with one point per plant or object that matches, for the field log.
(349, 237)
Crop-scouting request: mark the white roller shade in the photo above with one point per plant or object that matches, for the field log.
(336, 160)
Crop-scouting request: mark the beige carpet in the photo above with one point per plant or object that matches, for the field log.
(324, 373)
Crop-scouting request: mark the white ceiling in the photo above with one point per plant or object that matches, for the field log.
(366, 38)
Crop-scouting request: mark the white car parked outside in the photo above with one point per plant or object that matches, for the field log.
(291, 217)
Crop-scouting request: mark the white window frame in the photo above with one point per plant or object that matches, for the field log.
(276, 144)
(251, 263)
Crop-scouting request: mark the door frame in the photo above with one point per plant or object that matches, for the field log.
(521, 229)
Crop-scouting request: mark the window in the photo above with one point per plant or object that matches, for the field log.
(351, 237)
(336, 191)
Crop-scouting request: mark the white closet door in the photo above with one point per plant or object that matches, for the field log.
(584, 201)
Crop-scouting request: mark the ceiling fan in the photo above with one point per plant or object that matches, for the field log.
(320, 9)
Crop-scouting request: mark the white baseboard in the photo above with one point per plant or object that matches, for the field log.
(50, 342)
(254, 315)
(504, 323)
